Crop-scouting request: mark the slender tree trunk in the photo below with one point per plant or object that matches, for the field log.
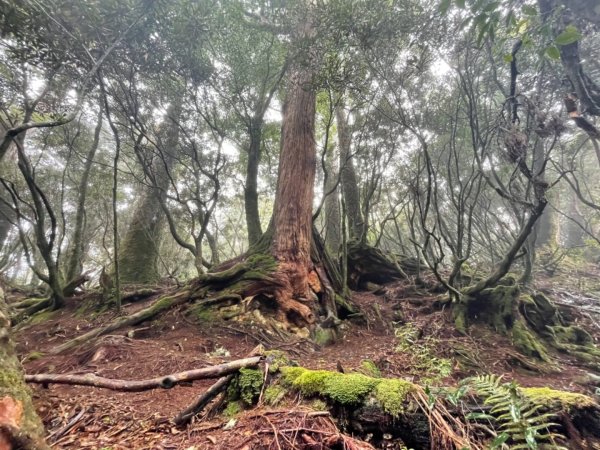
(333, 219)
(75, 263)
(348, 177)
(20, 426)
(138, 259)
(573, 230)
(251, 188)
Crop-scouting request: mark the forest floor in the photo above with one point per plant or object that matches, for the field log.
(402, 334)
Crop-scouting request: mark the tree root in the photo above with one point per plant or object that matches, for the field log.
(165, 382)
(157, 307)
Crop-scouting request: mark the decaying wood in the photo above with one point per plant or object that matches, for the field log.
(165, 382)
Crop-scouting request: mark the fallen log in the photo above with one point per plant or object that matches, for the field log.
(165, 382)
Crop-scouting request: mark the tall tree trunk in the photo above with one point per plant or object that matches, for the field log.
(77, 245)
(20, 426)
(348, 177)
(574, 233)
(333, 219)
(139, 254)
(292, 216)
(251, 188)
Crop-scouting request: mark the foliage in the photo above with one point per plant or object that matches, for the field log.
(521, 417)
(424, 362)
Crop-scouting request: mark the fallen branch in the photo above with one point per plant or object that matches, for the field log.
(200, 403)
(186, 415)
(165, 382)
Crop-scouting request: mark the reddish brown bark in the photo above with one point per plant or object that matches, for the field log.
(292, 217)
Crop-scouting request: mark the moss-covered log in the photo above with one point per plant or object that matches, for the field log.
(405, 412)
(20, 426)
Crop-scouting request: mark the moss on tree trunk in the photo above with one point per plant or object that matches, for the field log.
(20, 426)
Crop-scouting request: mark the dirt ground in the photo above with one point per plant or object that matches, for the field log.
(84, 417)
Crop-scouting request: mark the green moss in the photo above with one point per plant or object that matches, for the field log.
(558, 399)
(392, 395)
(274, 394)
(10, 382)
(572, 335)
(34, 356)
(203, 314)
(527, 343)
(323, 336)
(348, 389)
(276, 359)
(232, 409)
(290, 374)
(312, 382)
(250, 383)
(42, 316)
(369, 368)
(318, 405)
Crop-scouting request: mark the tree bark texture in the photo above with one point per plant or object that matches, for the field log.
(348, 177)
(138, 258)
(333, 218)
(20, 426)
(251, 188)
(76, 252)
(292, 216)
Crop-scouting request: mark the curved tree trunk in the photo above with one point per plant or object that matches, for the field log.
(20, 426)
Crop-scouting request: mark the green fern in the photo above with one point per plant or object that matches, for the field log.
(518, 419)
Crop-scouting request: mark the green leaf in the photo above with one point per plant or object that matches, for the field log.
(508, 58)
(552, 52)
(460, 3)
(444, 5)
(500, 439)
(568, 36)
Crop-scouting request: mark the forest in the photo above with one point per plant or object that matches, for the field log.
(299, 224)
